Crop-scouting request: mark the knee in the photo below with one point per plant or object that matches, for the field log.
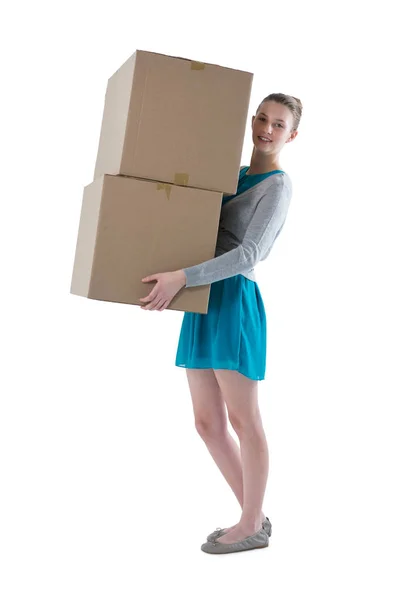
(246, 426)
(210, 428)
(237, 424)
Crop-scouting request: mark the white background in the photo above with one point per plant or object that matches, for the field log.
(107, 489)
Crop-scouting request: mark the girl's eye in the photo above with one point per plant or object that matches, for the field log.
(264, 119)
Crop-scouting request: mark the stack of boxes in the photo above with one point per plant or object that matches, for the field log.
(170, 145)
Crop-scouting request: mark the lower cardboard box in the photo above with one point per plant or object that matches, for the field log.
(130, 228)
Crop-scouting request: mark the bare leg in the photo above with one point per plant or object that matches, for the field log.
(211, 424)
(241, 397)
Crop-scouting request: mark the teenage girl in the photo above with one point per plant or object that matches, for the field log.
(224, 351)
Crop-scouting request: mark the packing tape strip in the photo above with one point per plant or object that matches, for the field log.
(197, 66)
(181, 178)
(166, 187)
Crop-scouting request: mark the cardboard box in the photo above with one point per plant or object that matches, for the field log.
(175, 120)
(130, 228)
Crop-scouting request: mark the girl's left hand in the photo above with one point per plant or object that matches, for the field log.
(166, 288)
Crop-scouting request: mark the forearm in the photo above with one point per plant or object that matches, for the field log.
(227, 265)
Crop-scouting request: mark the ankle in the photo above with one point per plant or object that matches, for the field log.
(262, 515)
(251, 523)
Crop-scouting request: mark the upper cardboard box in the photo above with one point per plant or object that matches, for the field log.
(175, 120)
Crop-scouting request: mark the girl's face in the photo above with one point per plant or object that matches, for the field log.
(272, 127)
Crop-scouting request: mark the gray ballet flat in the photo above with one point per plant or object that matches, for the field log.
(218, 532)
(259, 540)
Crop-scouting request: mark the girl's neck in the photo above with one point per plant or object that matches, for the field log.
(260, 163)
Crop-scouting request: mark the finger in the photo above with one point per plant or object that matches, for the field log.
(150, 305)
(150, 278)
(152, 295)
(164, 306)
(158, 303)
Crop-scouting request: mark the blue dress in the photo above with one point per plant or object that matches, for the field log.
(233, 333)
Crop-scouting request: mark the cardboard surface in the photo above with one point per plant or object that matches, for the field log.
(175, 120)
(130, 228)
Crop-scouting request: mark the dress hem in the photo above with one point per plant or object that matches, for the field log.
(223, 367)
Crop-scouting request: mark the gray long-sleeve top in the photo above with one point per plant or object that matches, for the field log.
(249, 225)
